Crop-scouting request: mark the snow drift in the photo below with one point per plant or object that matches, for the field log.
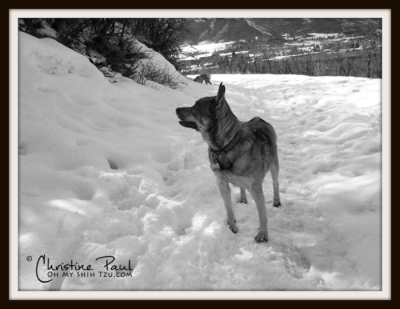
(106, 170)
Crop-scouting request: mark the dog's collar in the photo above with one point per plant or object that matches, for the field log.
(219, 156)
(233, 142)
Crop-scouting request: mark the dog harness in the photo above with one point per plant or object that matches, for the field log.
(219, 156)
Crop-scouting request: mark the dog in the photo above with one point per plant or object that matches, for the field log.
(203, 77)
(240, 153)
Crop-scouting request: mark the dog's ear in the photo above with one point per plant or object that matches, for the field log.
(221, 94)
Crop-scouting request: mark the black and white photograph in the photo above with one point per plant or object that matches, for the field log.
(205, 152)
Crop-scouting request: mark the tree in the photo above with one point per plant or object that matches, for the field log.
(164, 35)
(107, 38)
(377, 61)
(368, 70)
(242, 64)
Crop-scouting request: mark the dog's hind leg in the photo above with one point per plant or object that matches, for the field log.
(275, 184)
(243, 197)
(258, 196)
(225, 191)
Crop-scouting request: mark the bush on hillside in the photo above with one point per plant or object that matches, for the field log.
(151, 71)
(111, 43)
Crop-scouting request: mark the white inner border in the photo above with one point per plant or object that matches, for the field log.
(14, 14)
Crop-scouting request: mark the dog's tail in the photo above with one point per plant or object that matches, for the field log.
(263, 130)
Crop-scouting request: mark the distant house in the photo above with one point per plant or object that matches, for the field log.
(287, 36)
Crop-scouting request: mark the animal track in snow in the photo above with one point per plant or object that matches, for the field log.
(22, 149)
(84, 190)
(112, 164)
(296, 262)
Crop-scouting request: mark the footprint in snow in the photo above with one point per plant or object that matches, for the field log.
(295, 261)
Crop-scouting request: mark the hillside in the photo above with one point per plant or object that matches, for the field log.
(233, 29)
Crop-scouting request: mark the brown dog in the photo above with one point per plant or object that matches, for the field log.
(203, 77)
(240, 153)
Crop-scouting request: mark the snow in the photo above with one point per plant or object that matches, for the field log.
(105, 169)
(155, 59)
(324, 35)
(203, 55)
(205, 47)
(290, 56)
(184, 57)
(47, 31)
(236, 52)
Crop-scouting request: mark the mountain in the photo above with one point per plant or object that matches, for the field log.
(232, 29)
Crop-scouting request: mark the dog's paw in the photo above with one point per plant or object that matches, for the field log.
(233, 227)
(276, 204)
(243, 200)
(261, 237)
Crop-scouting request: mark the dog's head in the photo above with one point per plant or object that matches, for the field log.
(203, 114)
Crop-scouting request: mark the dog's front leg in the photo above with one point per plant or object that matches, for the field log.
(225, 190)
(258, 196)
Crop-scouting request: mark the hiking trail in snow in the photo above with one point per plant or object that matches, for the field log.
(106, 170)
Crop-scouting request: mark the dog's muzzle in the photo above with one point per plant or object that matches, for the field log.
(187, 124)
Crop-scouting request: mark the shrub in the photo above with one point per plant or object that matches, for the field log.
(151, 71)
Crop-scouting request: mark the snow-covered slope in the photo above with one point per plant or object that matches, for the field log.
(106, 170)
(157, 60)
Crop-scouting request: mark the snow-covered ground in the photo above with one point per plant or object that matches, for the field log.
(106, 170)
(324, 35)
(203, 55)
(205, 47)
(236, 52)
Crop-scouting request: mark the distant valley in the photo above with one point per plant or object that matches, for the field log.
(233, 29)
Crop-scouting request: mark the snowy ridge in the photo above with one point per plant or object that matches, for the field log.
(105, 169)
